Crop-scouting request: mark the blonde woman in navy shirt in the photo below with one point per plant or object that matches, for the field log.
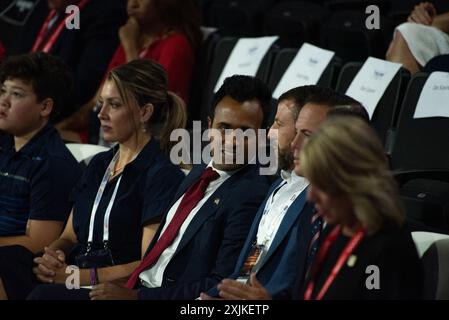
(119, 201)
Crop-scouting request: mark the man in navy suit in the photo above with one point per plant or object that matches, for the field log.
(206, 247)
(281, 233)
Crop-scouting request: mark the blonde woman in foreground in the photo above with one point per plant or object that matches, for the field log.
(365, 251)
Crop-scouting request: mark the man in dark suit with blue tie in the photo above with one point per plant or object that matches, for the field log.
(285, 218)
(202, 234)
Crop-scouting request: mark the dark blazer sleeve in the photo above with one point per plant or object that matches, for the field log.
(240, 210)
(302, 244)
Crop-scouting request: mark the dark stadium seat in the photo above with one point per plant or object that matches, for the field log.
(345, 33)
(295, 22)
(15, 33)
(201, 71)
(238, 18)
(439, 63)
(283, 59)
(220, 56)
(425, 195)
(387, 111)
(419, 143)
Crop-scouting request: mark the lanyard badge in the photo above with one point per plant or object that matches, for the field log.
(98, 197)
(253, 262)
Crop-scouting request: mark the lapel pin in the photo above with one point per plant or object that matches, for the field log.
(352, 260)
(217, 201)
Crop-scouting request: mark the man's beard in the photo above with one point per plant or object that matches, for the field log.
(285, 160)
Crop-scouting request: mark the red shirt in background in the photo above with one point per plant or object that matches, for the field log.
(175, 54)
(2, 52)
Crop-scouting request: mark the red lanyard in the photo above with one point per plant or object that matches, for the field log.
(51, 41)
(353, 243)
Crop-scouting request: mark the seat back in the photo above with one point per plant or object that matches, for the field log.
(425, 195)
(201, 72)
(388, 108)
(20, 22)
(295, 22)
(346, 34)
(220, 56)
(419, 143)
(238, 18)
(283, 60)
(433, 249)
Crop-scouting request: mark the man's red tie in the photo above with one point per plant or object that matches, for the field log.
(191, 198)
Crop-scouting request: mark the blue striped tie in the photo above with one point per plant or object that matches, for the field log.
(316, 224)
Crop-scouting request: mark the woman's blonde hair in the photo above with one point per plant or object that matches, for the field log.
(345, 158)
(145, 81)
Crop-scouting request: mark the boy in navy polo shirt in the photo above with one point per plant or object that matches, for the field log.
(37, 171)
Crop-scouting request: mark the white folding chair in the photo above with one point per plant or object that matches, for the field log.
(433, 249)
(82, 152)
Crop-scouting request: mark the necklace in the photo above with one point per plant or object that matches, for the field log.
(115, 171)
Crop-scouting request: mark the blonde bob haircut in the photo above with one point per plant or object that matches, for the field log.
(345, 158)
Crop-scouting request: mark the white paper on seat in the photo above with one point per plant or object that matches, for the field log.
(246, 57)
(371, 82)
(423, 240)
(305, 69)
(434, 98)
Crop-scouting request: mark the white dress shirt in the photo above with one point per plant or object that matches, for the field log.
(276, 207)
(152, 278)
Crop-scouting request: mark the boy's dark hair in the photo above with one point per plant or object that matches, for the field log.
(48, 75)
(243, 88)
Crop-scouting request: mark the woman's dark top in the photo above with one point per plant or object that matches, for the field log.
(145, 191)
(391, 251)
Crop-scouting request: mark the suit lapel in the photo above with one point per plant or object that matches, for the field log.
(254, 228)
(209, 208)
(191, 178)
(287, 223)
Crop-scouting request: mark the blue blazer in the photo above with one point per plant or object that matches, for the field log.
(286, 260)
(209, 248)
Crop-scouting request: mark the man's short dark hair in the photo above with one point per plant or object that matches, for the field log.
(329, 97)
(298, 96)
(48, 75)
(355, 110)
(244, 88)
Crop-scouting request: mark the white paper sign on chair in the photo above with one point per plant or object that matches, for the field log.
(246, 57)
(371, 82)
(305, 69)
(434, 98)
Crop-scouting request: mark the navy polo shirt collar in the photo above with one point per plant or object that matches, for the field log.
(33, 146)
(6, 143)
(145, 158)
